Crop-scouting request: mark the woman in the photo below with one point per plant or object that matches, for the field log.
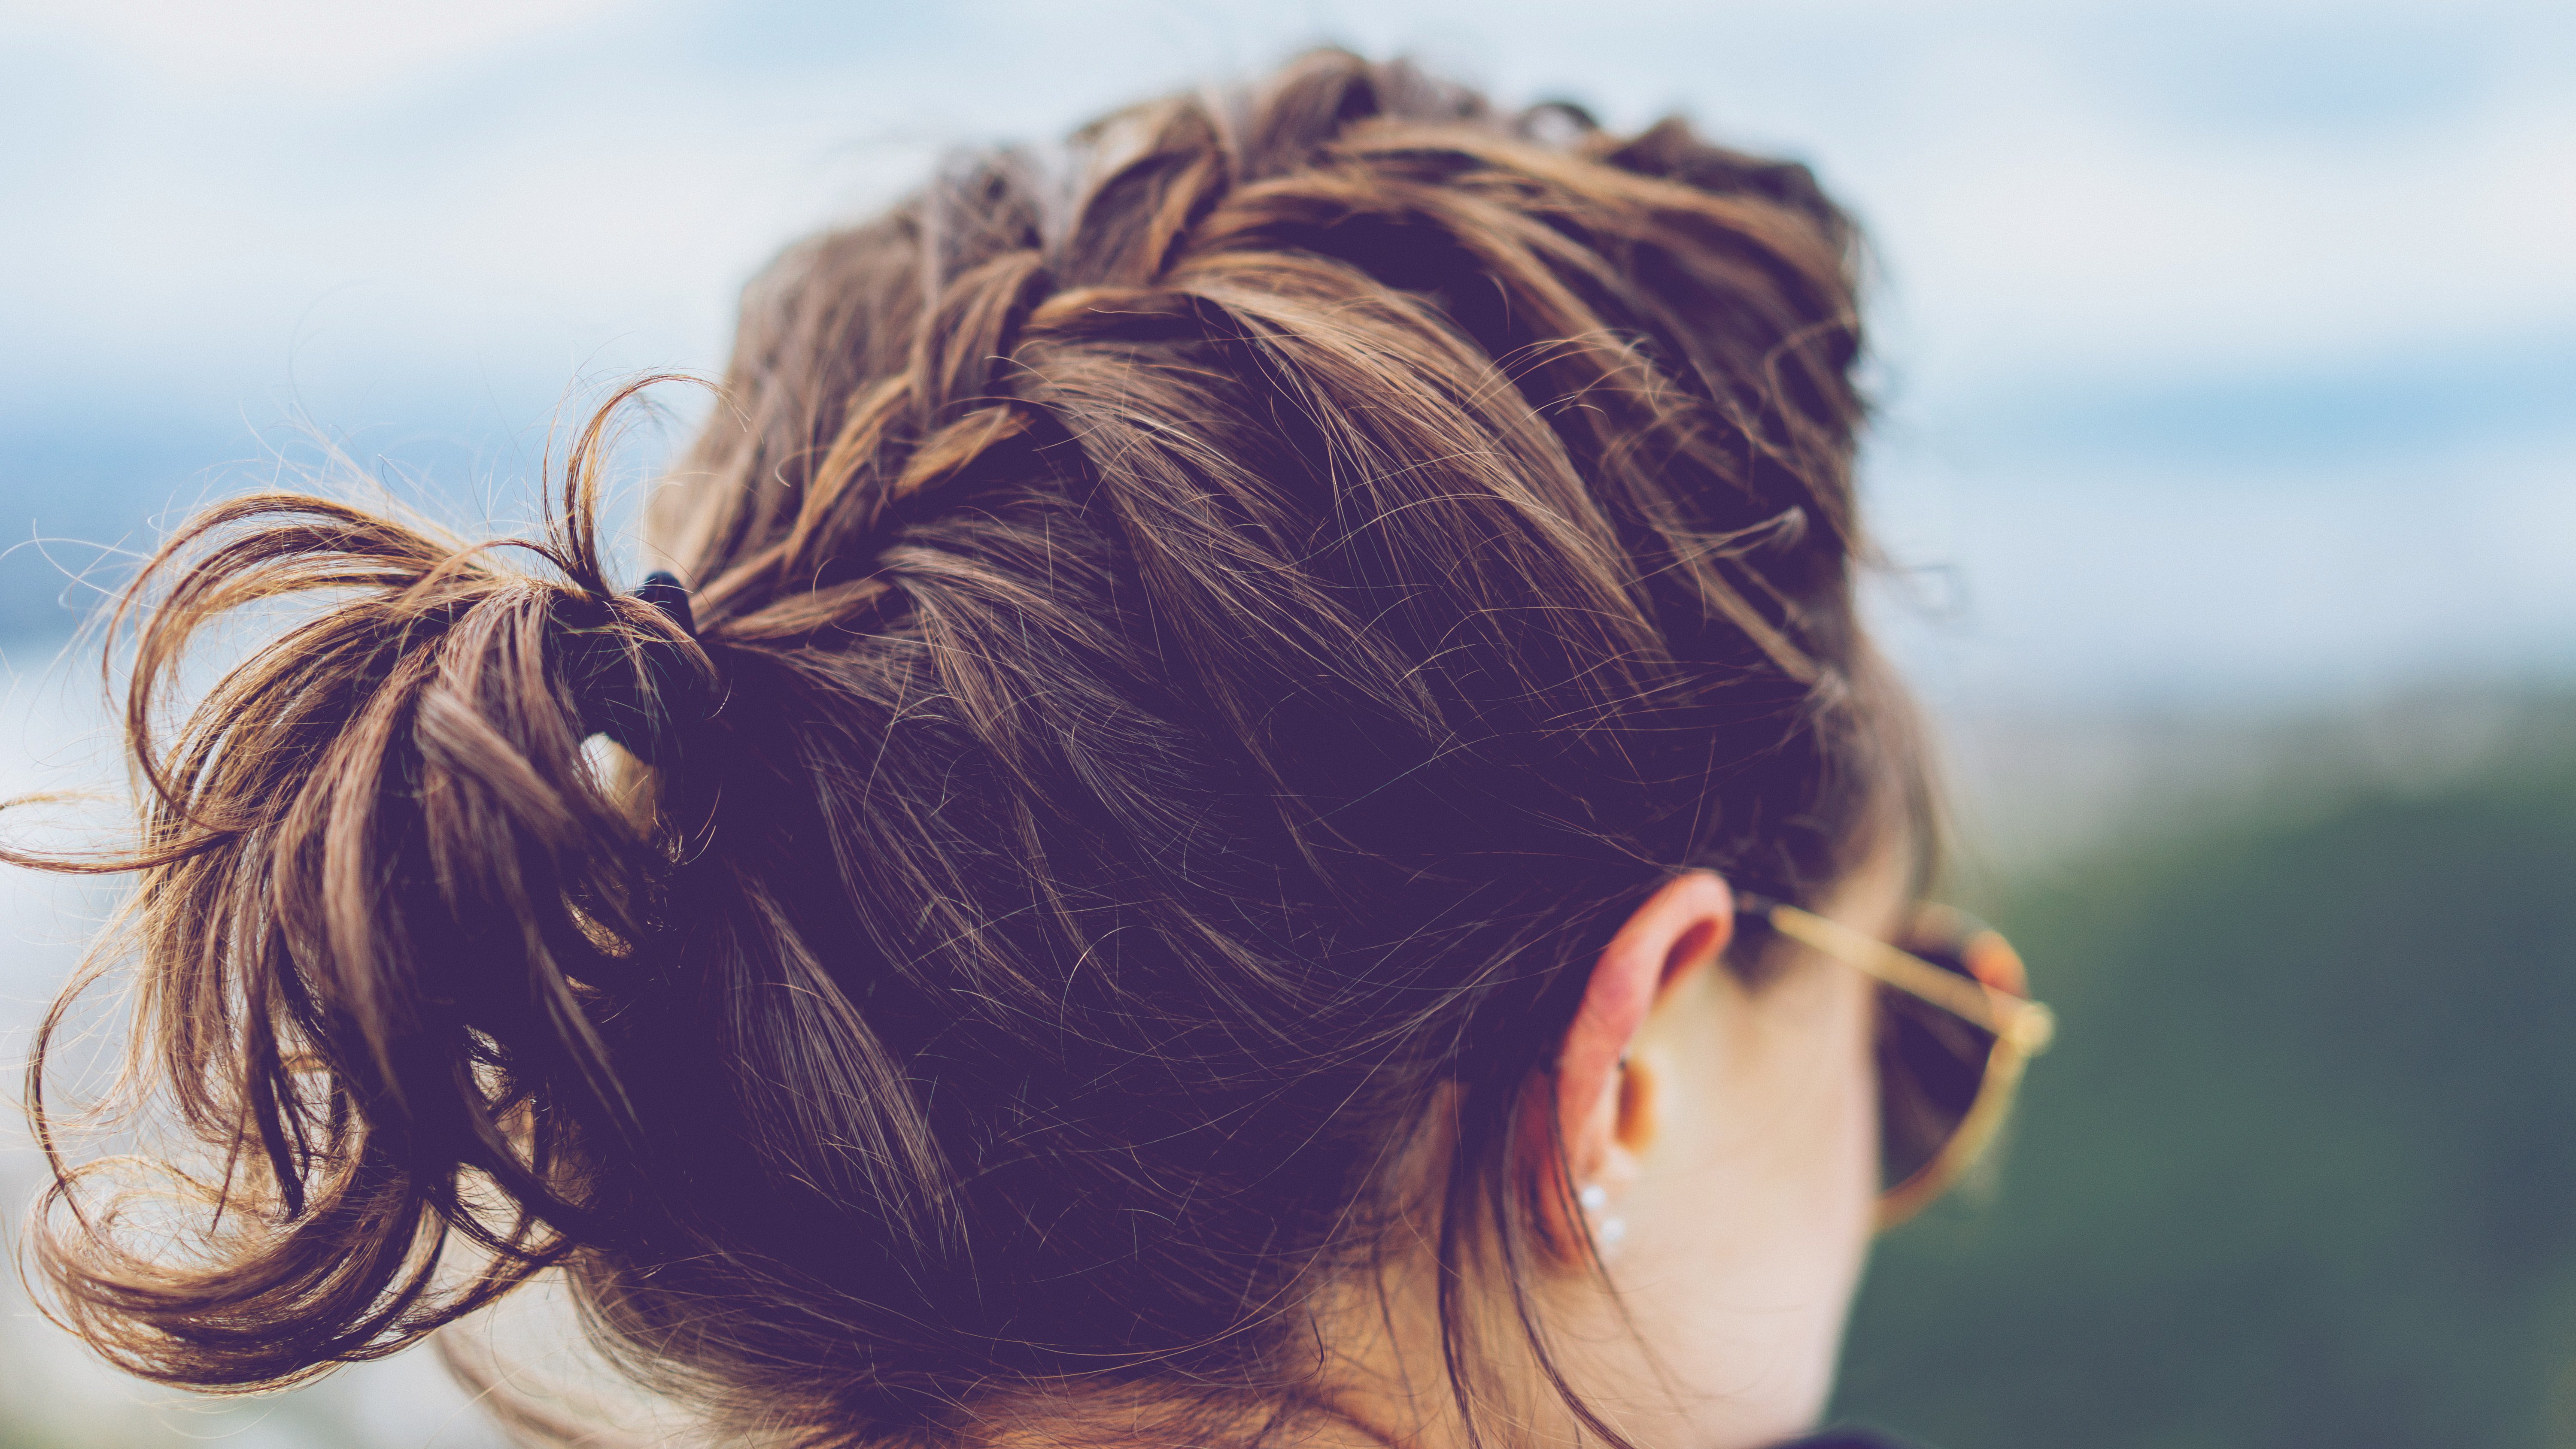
(1220, 834)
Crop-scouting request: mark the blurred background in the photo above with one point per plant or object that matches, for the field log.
(2227, 471)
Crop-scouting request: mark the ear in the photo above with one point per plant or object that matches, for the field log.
(1604, 1105)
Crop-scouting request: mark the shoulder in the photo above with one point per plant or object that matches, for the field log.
(1850, 1439)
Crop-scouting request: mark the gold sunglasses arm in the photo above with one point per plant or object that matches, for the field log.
(2027, 1025)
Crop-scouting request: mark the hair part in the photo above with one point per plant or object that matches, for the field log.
(1200, 671)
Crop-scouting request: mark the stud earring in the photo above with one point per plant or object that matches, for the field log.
(1607, 1230)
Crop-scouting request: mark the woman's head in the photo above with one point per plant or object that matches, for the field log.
(1217, 652)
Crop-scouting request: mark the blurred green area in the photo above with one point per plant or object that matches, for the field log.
(2301, 1170)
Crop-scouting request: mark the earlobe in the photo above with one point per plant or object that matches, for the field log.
(1605, 1101)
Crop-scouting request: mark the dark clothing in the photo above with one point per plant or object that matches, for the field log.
(1848, 1439)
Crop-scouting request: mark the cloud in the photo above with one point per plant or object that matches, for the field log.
(314, 48)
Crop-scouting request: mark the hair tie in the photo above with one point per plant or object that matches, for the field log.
(665, 592)
(647, 698)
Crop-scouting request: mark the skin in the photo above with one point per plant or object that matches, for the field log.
(1730, 1126)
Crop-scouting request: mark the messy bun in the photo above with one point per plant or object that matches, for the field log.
(1172, 681)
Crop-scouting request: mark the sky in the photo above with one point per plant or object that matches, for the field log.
(2228, 350)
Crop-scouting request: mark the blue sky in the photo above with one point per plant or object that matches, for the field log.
(2229, 349)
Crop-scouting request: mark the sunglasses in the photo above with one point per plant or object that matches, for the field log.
(1956, 1026)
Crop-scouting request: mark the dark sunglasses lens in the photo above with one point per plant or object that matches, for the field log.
(1931, 1065)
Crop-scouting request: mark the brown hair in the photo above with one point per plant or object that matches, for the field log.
(1205, 642)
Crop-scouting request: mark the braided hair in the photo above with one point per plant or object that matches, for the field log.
(1195, 645)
